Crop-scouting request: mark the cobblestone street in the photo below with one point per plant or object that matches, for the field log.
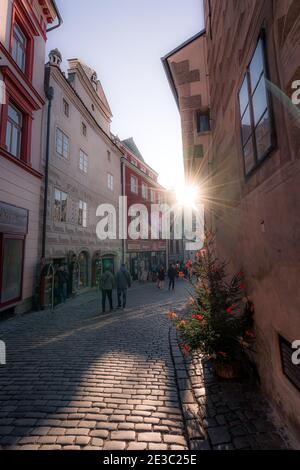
(77, 379)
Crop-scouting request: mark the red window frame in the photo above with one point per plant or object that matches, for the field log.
(20, 98)
(21, 18)
(11, 236)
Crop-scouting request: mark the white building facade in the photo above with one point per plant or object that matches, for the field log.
(84, 172)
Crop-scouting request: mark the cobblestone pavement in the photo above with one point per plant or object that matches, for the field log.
(224, 414)
(76, 379)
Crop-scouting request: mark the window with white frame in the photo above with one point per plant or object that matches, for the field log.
(19, 46)
(255, 113)
(144, 191)
(62, 144)
(14, 131)
(110, 182)
(60, 206)
(82, 214)
(134, 184)
(83, 161)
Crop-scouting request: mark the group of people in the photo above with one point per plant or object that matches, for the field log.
(108, 282)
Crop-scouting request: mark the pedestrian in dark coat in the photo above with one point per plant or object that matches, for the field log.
(107, 284)
(161, 278)
(123, 282)
(172, 275)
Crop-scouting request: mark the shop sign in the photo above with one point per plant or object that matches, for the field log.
(13, 219)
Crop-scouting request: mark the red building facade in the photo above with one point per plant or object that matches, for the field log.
(140, 185)
(23, 28)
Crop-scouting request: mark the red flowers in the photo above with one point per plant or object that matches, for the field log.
(198, 317)
(172, 315)
(250, 334)
(242, 286)
(186, 349)
(230, 309)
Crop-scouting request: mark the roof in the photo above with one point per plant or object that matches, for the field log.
(131, 145)
(165, 61)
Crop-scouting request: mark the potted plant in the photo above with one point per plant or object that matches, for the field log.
(221, 319)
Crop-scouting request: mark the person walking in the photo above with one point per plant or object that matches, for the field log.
(161, 275)
(123, 282)
(107, 284)
(171, 276)
(62, 277)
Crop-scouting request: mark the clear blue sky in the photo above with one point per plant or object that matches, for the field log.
(123, 40)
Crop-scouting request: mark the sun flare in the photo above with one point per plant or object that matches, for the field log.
(187, 195)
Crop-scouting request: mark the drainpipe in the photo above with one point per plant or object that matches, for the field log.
(210, 18)
(60, 20)
(123, 194)
(50, 96)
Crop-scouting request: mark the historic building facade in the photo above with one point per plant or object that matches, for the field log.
(140, 185)
(24, 26)
(253, 56)
(84, 172)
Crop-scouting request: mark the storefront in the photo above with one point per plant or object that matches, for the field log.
(13, 231)
(144, 259)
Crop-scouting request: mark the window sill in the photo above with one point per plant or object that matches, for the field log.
(20, 163)
(200, 134)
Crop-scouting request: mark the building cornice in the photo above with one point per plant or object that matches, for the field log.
(166, 64)
(63, 82)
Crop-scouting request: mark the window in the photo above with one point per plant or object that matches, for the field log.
(255, 112)
(66, 107)
(159, 198)
(12, 266)
(134, 162)
(110, 182)
(134, 184)
(19, 46)
(152, 196)
(144, 191)
(82, 214)
(14, 131)
(62, 144)
(60, 206)
(84, 129)
(203, 122)
(108, 155)
(83, 161)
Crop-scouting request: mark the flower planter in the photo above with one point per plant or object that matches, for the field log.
(228, 371)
